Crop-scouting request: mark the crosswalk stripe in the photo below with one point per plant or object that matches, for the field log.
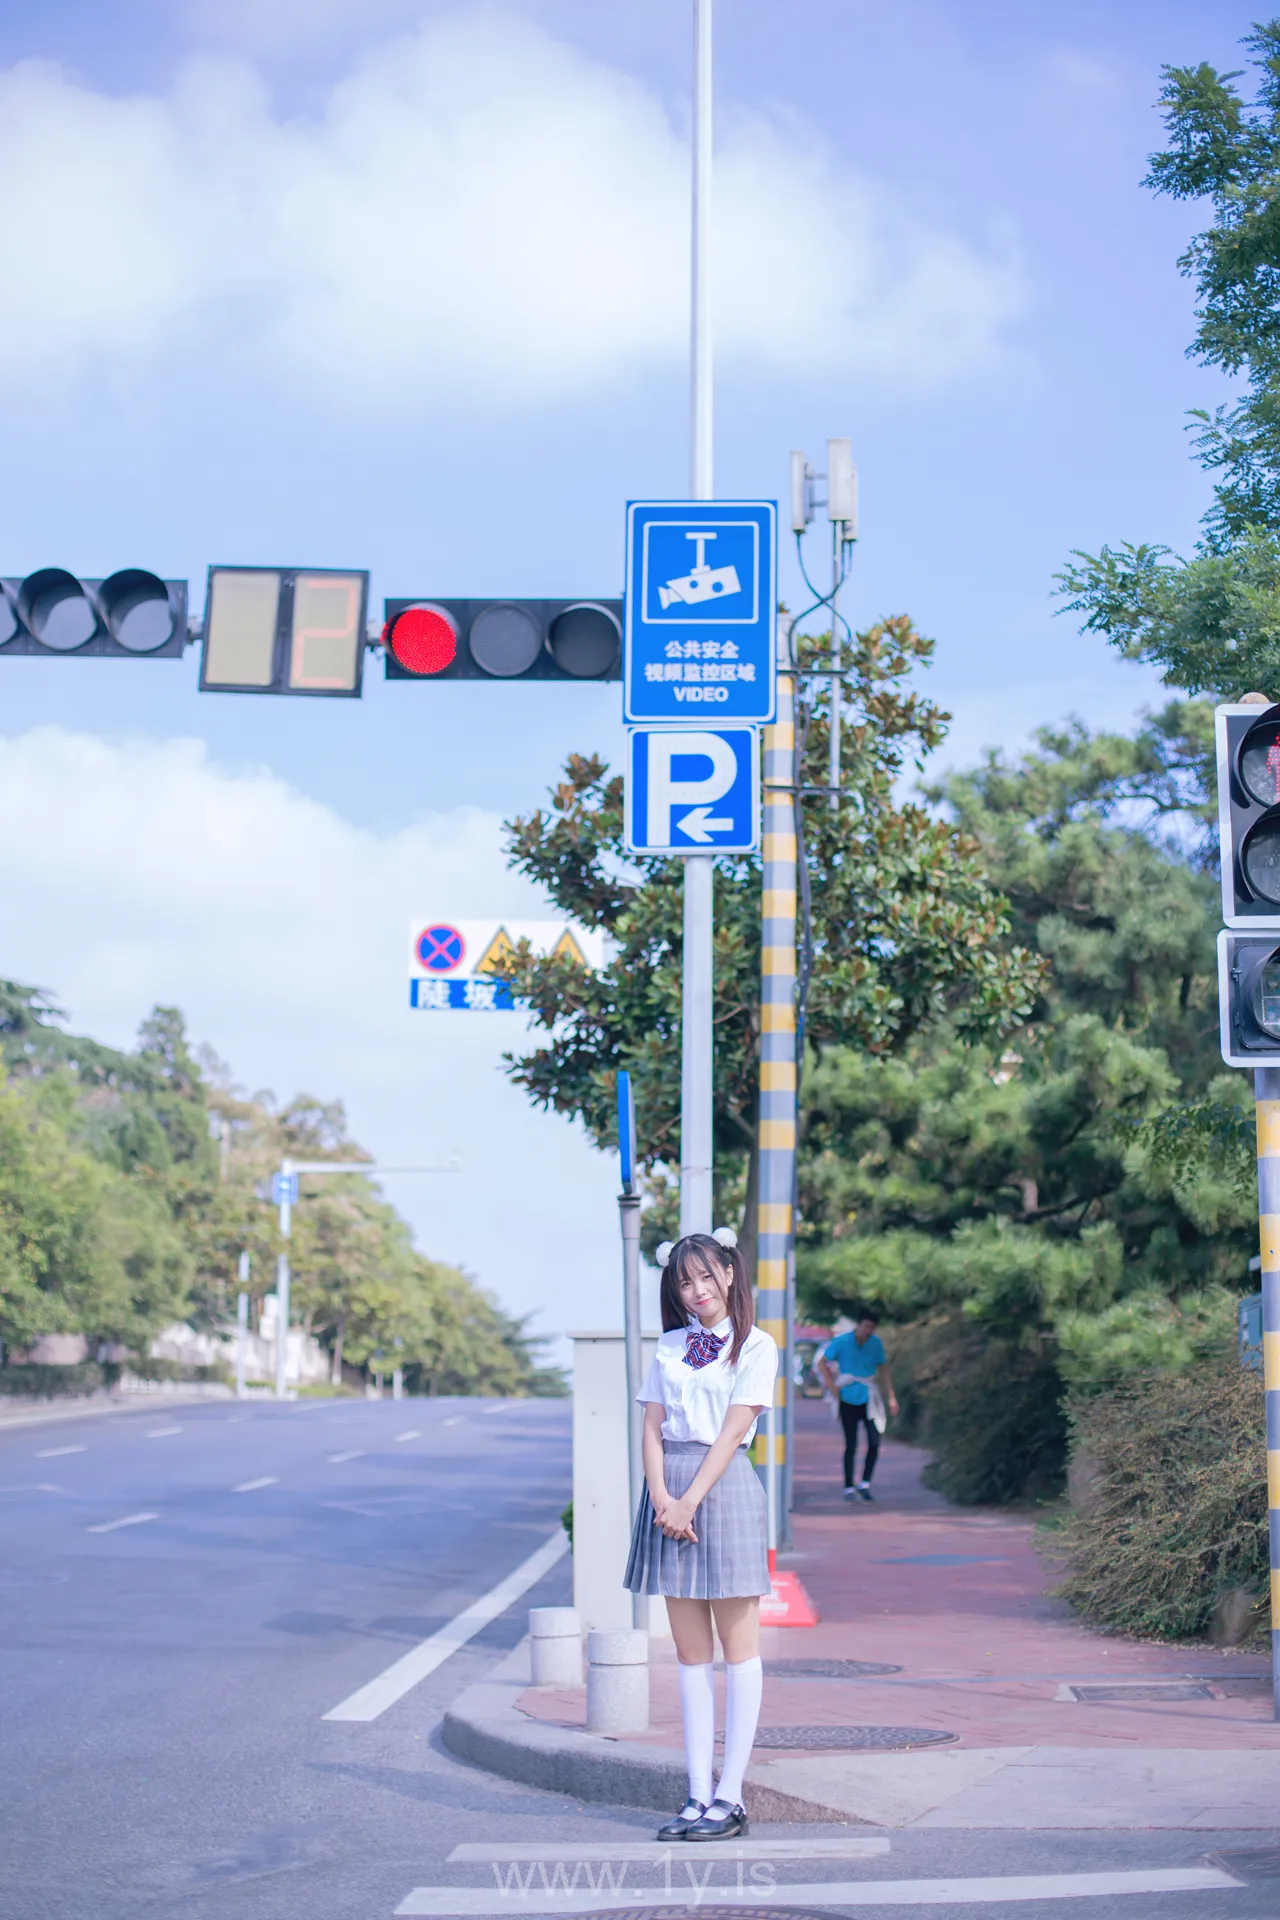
(470, 1903)
(367, 1702)
(842, 1847)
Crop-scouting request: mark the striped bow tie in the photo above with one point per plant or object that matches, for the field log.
(702, 1347)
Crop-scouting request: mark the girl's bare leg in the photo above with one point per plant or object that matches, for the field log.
(737, 1624)
(691, 1629)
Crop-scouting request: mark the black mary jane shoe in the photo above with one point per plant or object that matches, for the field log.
(719, 1822)
(689, 1816)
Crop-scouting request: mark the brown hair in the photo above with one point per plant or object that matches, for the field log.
(725, 1262)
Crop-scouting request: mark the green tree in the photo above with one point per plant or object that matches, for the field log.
(1212, 622)
(906, 927)
(1023, 1205)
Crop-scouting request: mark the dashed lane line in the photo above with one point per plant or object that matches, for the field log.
(162, 1433)
(129, 1520)
(336, 1459)
(455, 1422)
(373, 1699)
(56, 1453)
(410, 1433)
(252, 1486)
(454, 1903)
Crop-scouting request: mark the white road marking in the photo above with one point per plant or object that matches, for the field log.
(36, 1486)
(378, 1694)
(842, 1848)
(162, 1433)
(56, 1453)
(130, 1520)
(410, 1433)
(356, 1453)
(995, 1889)
(251, 1486)
(455, 1422)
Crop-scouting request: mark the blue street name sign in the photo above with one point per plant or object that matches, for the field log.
(693, 792)
(700, 611)
(474, 995)
(284, 1188)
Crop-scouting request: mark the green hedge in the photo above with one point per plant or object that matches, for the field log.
(988, 1410)
(41, 1382)
(1174, 1505)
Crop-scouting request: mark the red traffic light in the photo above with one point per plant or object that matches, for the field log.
(424, 639)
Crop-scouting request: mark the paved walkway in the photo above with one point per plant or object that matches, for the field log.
(956, 1600)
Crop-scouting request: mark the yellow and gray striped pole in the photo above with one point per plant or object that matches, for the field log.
(777, 1143)
(1266, 1093)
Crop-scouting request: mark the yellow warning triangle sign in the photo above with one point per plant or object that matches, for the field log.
(501, 947)
(567, 948)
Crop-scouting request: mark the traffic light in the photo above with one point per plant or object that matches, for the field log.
(284, 630)
(1249, 998)
(131, 615)
(503, 639)
(1249, 813)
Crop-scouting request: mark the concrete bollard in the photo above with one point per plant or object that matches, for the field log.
(555, 1646)
(617, 1681)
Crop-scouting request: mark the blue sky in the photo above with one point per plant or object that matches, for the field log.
(403, 286)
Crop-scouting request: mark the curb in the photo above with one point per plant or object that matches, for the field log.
(485, 1727)
(44, 1411)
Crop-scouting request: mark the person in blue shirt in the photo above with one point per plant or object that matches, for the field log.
(848, 1366)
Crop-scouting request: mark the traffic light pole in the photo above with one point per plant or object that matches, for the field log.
(1266, 1093)
(777, 1143)
(697, 1063)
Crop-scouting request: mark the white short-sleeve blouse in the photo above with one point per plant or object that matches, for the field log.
(698, 1398)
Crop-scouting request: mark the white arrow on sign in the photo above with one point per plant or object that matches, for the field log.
(700, 826)
(666, 793)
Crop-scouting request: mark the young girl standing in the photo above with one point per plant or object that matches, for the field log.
(700, 1537)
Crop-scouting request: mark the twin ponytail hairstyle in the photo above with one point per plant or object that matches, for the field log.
(718, 1253)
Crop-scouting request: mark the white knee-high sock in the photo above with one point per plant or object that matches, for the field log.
(698, 1711)
(744, 1684)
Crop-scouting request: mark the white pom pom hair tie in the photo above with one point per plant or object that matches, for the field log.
(663, 1252)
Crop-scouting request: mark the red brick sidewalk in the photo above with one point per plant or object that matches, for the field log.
(956, 1598)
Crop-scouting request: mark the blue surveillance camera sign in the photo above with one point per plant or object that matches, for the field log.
(693, 790)
(700, 607)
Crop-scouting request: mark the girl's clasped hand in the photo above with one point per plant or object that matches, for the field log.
(676, 1520)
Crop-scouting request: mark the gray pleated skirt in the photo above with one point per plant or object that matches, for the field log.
(729, 1559)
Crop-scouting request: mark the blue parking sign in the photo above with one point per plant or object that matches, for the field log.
(700, 610)
(692, 790)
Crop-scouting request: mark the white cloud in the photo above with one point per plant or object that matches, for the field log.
(143, 873)
(477, 212)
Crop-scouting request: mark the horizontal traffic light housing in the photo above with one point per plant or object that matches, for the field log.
(1249, 998)
(130, 615)
(285, 630)
(1249, 813)
(503, 639)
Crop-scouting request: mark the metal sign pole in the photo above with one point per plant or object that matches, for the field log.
(1266, 1093)
(629, 1220)
(696, 1024)
(282, 1283)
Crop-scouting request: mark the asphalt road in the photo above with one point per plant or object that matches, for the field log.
(163, 1686)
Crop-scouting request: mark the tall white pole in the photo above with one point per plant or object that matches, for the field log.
(837, 661)
(696, 1053)
(282, 1287)
(242, 1325)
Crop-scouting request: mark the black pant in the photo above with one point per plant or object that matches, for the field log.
(850, 1419)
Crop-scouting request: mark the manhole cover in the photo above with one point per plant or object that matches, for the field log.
(826, 1669)
(1251, 1863)
(1170, 1690)
(852, 1739)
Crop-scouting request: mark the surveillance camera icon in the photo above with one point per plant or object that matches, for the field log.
(701, 583)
